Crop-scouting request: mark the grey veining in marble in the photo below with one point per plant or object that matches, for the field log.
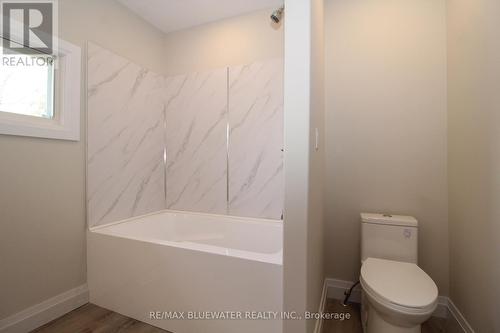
(196, 142)
(256, 139)
(126, 112)
(157, 142)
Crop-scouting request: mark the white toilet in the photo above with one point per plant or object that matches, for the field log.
(398, 296)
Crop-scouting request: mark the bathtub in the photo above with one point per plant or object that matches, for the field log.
(190, 272)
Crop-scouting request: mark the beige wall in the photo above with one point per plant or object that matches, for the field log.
(474, 159)
(114, 27)
(42, 182)
(386, 126)
(234, 41)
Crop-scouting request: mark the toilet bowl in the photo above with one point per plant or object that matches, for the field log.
(397, 296)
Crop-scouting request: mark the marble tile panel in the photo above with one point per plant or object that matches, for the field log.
(196, 132)
(256, 139)
(125, 138)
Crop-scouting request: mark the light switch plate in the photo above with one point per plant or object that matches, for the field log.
(316, 145)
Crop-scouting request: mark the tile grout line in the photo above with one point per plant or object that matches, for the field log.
(227, 140)
(165, 156)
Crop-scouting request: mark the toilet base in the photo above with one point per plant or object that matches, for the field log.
(376, 324)
(373, 322)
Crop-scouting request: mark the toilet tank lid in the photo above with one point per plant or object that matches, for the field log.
(400, 220)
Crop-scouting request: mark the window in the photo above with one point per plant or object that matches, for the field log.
(40, 98)
(27, 89)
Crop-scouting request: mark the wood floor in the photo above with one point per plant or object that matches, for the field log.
(433, 325)
(93, 319)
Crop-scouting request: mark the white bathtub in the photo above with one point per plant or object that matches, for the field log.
(187, 264)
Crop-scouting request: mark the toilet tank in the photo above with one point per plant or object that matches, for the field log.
(391, 237)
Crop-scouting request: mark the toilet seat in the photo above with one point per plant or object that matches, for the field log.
(401, 286)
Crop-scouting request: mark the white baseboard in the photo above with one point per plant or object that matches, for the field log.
(336, 289)
(442, 310)
(324, 295)
(459, 317)
(46, 311)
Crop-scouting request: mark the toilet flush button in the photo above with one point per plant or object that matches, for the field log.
(407, 233)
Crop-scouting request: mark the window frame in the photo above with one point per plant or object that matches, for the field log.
(65, 125)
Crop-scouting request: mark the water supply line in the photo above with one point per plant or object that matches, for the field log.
(348, 293)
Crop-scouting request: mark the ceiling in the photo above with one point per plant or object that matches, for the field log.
(172, 15)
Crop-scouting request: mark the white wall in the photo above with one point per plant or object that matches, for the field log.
(386, 126)
(315, 225)
(303, 234)
(235, 41)
(474, 159)
(42, 182)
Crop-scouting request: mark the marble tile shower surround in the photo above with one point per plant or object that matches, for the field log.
(256, 139)
(126, 112)
(197, 142)
(157, 142)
